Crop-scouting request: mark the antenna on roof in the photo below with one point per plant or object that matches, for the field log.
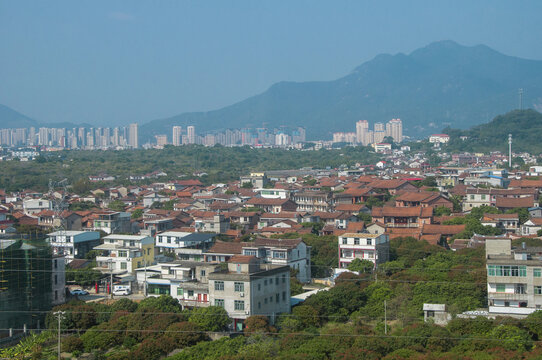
(59, 205)
(520, 93)
(510, 150)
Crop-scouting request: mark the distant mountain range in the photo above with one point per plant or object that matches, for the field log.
(442, 84)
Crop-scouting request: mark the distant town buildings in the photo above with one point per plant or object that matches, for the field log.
(364, 136)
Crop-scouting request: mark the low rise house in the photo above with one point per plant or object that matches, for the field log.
(112, 222)
(364, 246)
(403, 216)
(273, 206)
(125, 253)
(531, 227)
(176, 241)
(73, 244)
(506, 222)
(313, 201)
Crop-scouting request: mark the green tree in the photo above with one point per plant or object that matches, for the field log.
(117, 205)
(137, 214)
(212, 318)
(361, 266)
(441, 210)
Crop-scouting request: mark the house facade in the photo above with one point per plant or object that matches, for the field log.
(73, 244)
(363, 246)
(125, 253)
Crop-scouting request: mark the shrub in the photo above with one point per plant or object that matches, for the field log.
(71, 344)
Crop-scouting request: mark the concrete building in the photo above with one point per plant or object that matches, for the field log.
(133, 137)
(514, 278)
(248, 288)
(177, 135)
(125, 253)
(112, 222)
(363, 246)
(436, 313)
(191, 134)
(73, 244)
(174, 241)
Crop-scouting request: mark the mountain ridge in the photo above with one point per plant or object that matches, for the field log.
(434, 86)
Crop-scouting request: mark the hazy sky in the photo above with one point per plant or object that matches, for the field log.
(113, 62)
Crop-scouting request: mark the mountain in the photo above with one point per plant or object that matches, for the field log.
(524, 125)
(441, 84)
(10, 118)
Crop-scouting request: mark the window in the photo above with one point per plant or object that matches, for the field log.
(202, 272)
(180, 291)
(523, 271)
(369, 241)
(56, 263)
(276, 281)
(123, 265)
(370, 254)
(538, 290)
(169, 239)
(537, 272)
(239, 286)
(356, 241)
(265, 282)
(259, 305)
(219, 285)
(430, 313)
(345, 241)
(219, 302)
(284, 296)
(56, 279)
(472, 197)
(259, 287)
(251, 252)
(56, 294)
(239, 305)
(501, 288)
(491, 270)
(283, 278)
(190, 293)
(279, 254)
(123, 253)
(265, 301)
(270, 299)
(483, 197)
(277, 297)
(519, 289)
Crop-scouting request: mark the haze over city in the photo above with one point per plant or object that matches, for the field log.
(113, 63)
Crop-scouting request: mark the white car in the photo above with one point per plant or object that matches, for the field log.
(122, 291)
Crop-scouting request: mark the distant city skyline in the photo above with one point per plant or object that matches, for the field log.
(112, 64)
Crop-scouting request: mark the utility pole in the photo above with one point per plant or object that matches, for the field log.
(510, 151)
(520, 92)
(385, 318)
(145, 283)
(111, 279)
(60, 314)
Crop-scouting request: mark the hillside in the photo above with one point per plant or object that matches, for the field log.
(10, 118)
(525, 127)
(442, 84)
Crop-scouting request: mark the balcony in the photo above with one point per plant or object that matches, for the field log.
(507, 296)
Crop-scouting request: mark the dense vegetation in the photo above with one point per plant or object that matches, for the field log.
(344, 322)
(220, 163)
(524, 125)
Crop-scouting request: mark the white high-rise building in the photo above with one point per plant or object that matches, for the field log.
(191, 134)
(133, 137)
(177, 133)
(362, 128)
(395, 130)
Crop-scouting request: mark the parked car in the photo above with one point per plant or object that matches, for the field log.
(79, 292)
(122, 291)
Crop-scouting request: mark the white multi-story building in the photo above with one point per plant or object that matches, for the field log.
(73, 244)
(363, 246)
(177, 135)
(34, 206)
(112, 222)
(248, 288)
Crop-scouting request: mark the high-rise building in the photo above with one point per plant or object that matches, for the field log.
(133, 137)
(395, 127)
(177, 133)
(191, 134)
(362, 128)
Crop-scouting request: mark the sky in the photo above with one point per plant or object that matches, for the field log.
(112, 62)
